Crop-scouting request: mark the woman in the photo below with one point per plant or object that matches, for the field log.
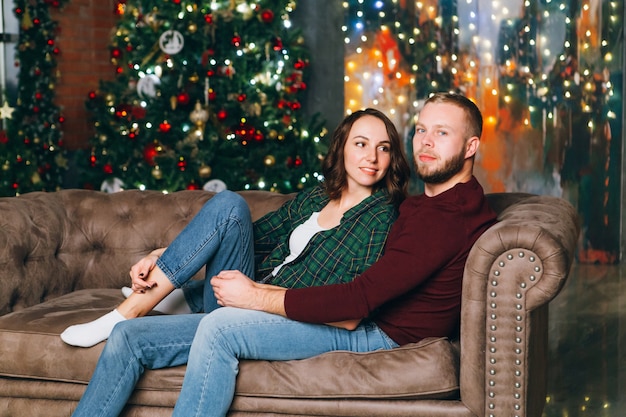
(327, 235)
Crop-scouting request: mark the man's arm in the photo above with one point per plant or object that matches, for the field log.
(234, 289)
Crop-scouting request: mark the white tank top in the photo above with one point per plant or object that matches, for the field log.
(299, 238)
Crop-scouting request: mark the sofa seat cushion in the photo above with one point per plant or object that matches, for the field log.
(428, 369)
(32, 349)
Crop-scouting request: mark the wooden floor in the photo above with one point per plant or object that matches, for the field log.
(587, 370)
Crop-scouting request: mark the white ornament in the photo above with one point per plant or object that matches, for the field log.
(171, 42)
(113, 185)
(147, 86)
(215, 186)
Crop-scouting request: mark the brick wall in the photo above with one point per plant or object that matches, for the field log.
(84, 33)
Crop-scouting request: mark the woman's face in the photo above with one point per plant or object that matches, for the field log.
(367, 152)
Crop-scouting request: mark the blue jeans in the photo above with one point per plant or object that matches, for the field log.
(219, 237)
(212, 345)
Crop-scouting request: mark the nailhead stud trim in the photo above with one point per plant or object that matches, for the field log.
(498, 316)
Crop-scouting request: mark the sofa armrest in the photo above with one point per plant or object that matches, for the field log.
(512, 272)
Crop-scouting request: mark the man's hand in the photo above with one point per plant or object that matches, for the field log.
(234, 289)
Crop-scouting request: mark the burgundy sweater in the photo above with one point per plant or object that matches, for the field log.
(414, 290)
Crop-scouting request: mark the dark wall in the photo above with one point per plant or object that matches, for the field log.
(321, 23)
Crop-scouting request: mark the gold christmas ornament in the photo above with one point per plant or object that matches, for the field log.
(205, 171)
(199, 115)
(192, 28)
(273, 134)
(157, 174)
(194, 78)
(35, 178)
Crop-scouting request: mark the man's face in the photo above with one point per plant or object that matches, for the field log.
(439, 143)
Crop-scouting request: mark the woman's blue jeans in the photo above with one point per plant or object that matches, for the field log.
(219, 237)
(211, 345)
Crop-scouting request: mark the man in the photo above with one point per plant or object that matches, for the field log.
(412, 292)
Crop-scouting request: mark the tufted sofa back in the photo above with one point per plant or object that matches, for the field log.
(55, 243)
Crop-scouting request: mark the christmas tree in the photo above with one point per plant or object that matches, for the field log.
(205, 95)
(31, 143)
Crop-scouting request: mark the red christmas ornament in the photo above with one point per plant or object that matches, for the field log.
(297, 162)
(183, 98)
(236, 40)
(108, 169)
(208, 18)
(150, 151)
(138, 112)
(295, 105)
(4, 139)
(222, 114)
(165, 126)
(116, 53)
(193, 186)
(38, 95)
(278, 44)
(212, 95)
(92, 160)
(205, 56)
(241, 98)
(92, 95)
(267, 16)
(182, 164)
(299, 65)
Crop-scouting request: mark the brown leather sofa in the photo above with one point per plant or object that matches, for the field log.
(65, 255)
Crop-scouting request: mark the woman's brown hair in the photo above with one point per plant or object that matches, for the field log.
(397, 178)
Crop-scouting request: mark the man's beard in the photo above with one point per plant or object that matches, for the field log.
(452, 167)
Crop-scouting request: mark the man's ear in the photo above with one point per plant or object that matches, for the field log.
(471, 146)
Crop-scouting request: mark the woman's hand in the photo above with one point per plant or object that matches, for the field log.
(140, 272)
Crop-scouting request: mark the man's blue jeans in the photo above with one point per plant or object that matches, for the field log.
(212, 345)
(219, 237)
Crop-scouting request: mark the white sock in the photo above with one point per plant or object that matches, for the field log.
(92, 333)
(173, 303)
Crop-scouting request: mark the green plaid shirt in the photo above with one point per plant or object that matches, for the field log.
(331, 256)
